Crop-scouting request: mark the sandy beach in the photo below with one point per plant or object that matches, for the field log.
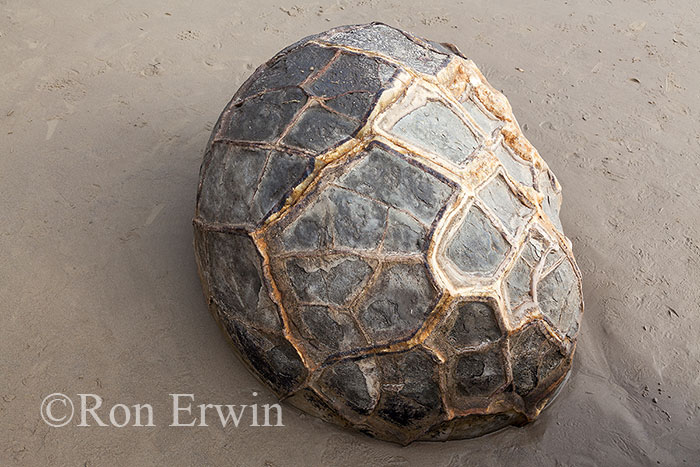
(105, 110)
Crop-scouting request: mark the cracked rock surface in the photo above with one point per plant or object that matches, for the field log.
(382, 244)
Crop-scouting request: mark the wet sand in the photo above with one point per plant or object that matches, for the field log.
(105, 109)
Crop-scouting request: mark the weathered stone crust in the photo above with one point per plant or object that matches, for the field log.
(381, 243)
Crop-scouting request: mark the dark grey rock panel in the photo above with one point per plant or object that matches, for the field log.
(475, 325)
(354, 104)
(282, 173)
(390, 178)
(244, 185)
(290, 69)
(411, 394)
(347, 381)
(327, 280)
(340, 218)
(272, 357)
(404, 234)
(392, 43)
(263, 118)
(358, 222)
(329, 331)
(229, 183)
(398, 303)
(352, 72)
(313, 229)
(234, 270)
(480, 373)
(533, 360)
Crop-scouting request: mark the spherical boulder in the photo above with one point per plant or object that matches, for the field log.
(381, 243)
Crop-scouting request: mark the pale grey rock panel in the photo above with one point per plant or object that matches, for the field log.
(518, 283)
(477, 247)
(559, 298)
(498, 196)
(519, 170)
(485, 122)
(438, 129)
(319, 130)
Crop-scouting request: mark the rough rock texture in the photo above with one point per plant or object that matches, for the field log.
(382, 244)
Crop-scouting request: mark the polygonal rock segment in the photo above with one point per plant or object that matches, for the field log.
(358, 222)
(319, 129)
(273, 358)
(554, 256)
(559, 298)
(477, 247)
(352, 72)
(410, 397)
(233, 271)
(534, 247)
(519, 170)
(289, 69)
(486, 122)
(439, 130)
(351, 83)
(263, 118)
(534, 359)
(552, 199)
(328, 331)
(391, 43)
(519, 285)
(283, 172)
(475, 324)
(351, 385)
(385, 175)
(313, 229)
(479, 374)
(510, 210)
(327, 280)
(353, 104)
(228, 183)
(340, 218)
(404, 234)
(397, 303)
(244, 185)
